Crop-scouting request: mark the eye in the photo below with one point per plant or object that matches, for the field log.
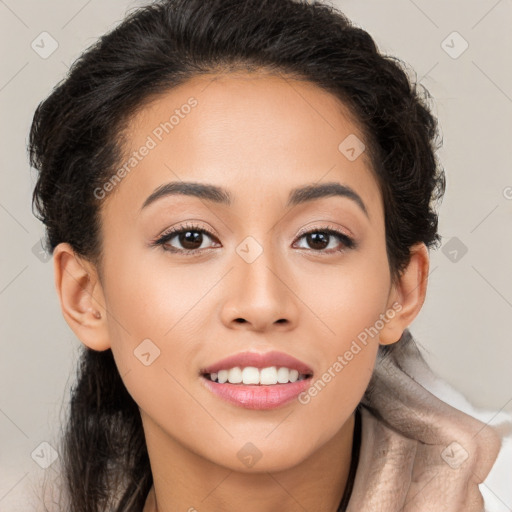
(190, 236)
(320, 238)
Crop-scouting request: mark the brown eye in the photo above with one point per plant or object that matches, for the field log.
(319, 239)
(191, 239)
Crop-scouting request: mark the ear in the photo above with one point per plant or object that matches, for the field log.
(407, 296)
(81, 297)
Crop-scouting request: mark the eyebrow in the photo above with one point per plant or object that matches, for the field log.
(220, 195)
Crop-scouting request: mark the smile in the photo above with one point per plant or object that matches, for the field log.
(251, 375)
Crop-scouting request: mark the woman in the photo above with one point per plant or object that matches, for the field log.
(267, 363)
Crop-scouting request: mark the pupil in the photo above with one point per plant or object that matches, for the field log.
(191, 237)
(314, 238)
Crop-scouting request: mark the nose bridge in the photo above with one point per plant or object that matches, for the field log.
(261, 296)
(258, 267)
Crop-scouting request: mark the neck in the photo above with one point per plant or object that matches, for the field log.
(185, 481)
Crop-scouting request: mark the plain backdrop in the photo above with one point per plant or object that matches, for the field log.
(459, 51)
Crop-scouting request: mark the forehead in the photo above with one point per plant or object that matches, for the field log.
(258, 135)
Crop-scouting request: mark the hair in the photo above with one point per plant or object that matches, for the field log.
(77, 138)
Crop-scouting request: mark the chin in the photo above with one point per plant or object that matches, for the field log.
(251, 457)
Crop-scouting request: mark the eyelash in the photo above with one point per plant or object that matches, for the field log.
(348, 242)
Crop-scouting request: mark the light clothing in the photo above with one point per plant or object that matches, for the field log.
(424, 448)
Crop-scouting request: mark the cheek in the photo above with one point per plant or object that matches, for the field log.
(156, 322)
(148, 300)
(349, 298)
(146, 308)
(350, 303)
(348, 356)
(152, 332)
(335, 393)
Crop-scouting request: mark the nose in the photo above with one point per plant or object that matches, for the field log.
(260, 295)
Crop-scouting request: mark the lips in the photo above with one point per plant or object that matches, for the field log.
(257, 397)
(259, 360)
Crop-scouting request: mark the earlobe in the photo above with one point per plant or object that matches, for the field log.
(81, 297)
(408, 295)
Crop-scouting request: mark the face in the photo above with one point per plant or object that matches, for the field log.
(260, 274)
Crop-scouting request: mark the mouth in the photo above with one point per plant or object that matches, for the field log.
(252, 380)
(258, 368)
(257, 390)
(252, 376)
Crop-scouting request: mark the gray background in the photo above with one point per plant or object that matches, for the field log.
(464, 327)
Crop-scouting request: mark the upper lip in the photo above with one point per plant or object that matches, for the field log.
(259, 360)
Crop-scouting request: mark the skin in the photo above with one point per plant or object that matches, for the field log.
(259, 136)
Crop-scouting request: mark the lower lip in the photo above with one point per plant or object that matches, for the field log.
(258, 396)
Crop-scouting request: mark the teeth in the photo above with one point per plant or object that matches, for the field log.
(251, 375)
(270, 375)
(222, 376)
(235, 376)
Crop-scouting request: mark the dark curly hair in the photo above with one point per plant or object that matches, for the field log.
(77, 141)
